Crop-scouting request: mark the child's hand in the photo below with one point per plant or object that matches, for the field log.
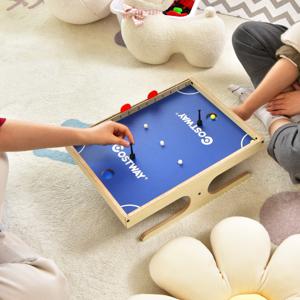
(242, 112)
(108, 133)
(287, 104)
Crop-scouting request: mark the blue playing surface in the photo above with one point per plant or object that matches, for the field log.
(155, 169)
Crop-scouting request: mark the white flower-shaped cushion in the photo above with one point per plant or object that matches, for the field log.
(240, 267)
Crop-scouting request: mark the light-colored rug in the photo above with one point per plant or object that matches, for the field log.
(52, 72)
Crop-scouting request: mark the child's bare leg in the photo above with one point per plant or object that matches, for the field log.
(281, 76)
(277, 124)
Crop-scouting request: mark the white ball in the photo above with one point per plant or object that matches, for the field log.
(162, 143)
(180, 162)
(146, 126)
(79, 11)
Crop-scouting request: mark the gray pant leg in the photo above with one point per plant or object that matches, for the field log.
(255, 44)
(284, 147)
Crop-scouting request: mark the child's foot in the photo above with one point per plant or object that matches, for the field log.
(262, 114)
(240, 92)
(241, 112)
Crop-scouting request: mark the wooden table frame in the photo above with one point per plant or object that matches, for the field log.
(195, 190)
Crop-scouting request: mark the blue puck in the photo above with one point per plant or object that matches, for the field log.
(107, 174)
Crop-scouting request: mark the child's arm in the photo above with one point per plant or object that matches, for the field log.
(281, 76)
(20, 136)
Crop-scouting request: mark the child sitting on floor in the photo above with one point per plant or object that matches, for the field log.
(25, 275)
(271, 56)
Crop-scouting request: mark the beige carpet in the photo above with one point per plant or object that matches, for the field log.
(52, 72)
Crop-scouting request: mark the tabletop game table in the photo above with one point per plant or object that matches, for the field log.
(175, 155)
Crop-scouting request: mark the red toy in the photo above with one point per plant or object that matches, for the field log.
(180, 8)
(125, 107)
(152, 94)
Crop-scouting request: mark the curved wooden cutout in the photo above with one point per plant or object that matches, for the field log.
(161, 225)
(193, 203)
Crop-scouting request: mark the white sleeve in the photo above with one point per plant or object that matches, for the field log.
(292, 62)
(292, 37)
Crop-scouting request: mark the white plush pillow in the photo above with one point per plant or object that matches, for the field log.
(199, 38)
(79, 11)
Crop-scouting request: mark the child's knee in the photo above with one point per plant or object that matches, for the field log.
(284, 147)
(240, 34)
(34, 279)
(44, 281)
(52, 282)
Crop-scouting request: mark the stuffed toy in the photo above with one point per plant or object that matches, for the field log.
(79, 11)
(152, 37)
